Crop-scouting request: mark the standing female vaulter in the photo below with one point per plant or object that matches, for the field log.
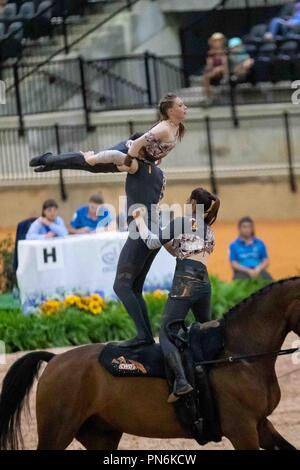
(145, 184)
(191, 286)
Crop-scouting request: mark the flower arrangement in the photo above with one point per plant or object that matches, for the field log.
(93, 304)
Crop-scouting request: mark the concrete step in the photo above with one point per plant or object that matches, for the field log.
(245, 94)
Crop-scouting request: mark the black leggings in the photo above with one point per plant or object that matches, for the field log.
(191, 289)
(134, 263)
(76, 161)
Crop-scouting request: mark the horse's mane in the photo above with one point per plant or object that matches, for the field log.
(257, 295)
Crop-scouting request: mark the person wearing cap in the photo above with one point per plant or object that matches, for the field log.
(240, 61)
(49, 224)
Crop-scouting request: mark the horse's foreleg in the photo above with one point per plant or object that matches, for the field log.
(241, 430)
(270, 439)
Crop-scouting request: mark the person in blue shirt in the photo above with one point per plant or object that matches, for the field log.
(49, 225)
(92, 217)
(281, 25)
(248, 254)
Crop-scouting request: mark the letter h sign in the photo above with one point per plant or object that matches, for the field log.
(49, 256)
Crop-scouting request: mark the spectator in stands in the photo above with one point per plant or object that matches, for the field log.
(281, 26)
(248, 254)
(94, 216)
(49, 225)
(240, 60)
(216, 68)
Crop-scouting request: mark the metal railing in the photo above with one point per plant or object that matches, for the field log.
(262, 145)
(94, 85)
(133, 82)
(254, 3)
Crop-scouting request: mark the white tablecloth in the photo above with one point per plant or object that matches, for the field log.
(79, 263)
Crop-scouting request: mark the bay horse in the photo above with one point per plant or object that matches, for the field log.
(78, 398)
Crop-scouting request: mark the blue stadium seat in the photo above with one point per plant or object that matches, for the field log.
(289, 48)
(267, 49)
(16, 28)
(9, 11)
(26, 10)
(45, 5)
(256, 35)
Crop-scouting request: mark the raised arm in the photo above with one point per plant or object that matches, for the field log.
(165, 234)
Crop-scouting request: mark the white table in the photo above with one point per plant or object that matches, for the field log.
(83, 264)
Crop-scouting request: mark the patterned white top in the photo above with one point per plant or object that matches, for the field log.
(156, 149)
(184, 245)
(189, 244)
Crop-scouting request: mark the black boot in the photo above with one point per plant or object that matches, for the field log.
(40, 160)
(48, 162)
(181, 385)
(68, 161)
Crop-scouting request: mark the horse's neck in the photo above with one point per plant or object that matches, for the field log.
(258, 327)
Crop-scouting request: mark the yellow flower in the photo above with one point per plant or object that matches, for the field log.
(51, 307)
(95, 308)
(158, 294)
(71, 300)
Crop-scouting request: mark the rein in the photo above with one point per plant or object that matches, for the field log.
(234, 359)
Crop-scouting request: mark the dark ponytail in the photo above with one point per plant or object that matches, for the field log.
(164, 105)
(210, 202)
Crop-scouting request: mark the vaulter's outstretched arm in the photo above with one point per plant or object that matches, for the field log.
(164, 235)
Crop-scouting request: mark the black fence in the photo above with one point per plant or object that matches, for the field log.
(97, 85)
(140, 81)
(262, 145)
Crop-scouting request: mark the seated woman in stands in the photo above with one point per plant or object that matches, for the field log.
(216, 68)
(191, 286)
(150, 147)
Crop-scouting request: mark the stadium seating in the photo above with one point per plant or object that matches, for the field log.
(256, 34)
(33, 19)
(9, 11)
(26, 10)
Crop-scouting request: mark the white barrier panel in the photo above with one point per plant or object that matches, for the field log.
(81, 264)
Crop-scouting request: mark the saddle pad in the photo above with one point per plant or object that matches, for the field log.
(144, 361)
(205, 341)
